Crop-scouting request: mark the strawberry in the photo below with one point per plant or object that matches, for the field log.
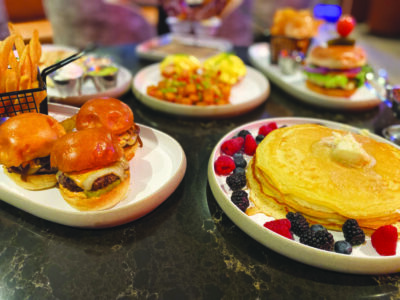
(267, 128)
(224, 165)
(232, 146)
(280, 226)
(384, 240)
(250, 145)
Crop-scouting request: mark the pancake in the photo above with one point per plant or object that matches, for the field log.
(304, 168)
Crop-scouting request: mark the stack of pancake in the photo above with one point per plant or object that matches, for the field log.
(328, 175)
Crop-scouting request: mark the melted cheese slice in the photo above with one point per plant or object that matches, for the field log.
(85, 180)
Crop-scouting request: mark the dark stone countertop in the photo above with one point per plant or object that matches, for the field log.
(187, 248)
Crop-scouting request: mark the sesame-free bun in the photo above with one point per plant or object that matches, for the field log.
(330, 91)
(27, 136)
(81, 202)
(337, 57)
(106, 112)
(33, 182)
(85, 150)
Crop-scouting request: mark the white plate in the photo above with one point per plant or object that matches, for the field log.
(156, 171)
(245, 96)
(159, 47)
(294, 84)
(89, 91)
(363, 260)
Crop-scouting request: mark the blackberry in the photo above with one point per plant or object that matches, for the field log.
(239, 160)
(318, 239)
(243, 133)
(317, 227)
(259, 138)
(353, 233)
(299, 224)
(239, 171)
(343, 247)
(236, 181)
(240, 199)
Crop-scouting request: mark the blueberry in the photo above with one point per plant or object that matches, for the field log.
(343, 247)
(239, 171)
(259, 138)
(243, 133)
(240, 162)
(317, 227)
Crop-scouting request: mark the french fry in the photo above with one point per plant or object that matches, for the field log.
(19, 67)
(5, 49)
(11, 81)
(19, 44)
(36, 49)
(25, 64)
(39, 97)
(24, 82)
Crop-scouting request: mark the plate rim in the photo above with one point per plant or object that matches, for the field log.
(227, 110)
(224, 45)
(292, 249)
(308, 96)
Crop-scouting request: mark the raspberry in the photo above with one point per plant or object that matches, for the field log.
(236, 181)
(384, 240)
(299, 223)
(353, 233)
(250, 145)
(240, 199)
(224, 165)
(267, 128)
(280, 226)
(318, 239)
(232, 146)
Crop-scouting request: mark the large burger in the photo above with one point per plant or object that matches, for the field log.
(114, 116)
(335, 70)
(25, 144)
(92, 171)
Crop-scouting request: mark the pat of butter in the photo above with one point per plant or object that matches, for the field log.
(346, 150)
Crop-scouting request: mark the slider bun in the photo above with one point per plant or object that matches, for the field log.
(84, 150)
(33, 182)
(27, 136)
(330, 91)
(337, 57)
(111, 113)
(81, 202)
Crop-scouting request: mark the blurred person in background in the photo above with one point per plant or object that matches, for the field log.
(236, 16)
(3, 21)
(79, 23)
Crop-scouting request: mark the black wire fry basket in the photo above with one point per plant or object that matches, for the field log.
(35, 99)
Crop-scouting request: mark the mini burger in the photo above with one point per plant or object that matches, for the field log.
(335, 70)
(25, 144)
(114, 116)
(92, 171)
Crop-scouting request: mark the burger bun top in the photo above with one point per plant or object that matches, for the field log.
(106, 112)
(337, 57)
(28, 136)
(85, 150)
